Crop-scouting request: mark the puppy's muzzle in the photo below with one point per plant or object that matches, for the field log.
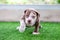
(29, 21)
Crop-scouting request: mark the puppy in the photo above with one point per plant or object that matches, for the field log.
(30, 18)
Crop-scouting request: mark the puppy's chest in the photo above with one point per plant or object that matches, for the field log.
(28, 26)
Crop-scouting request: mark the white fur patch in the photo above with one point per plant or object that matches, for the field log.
(36, 33)
(22, 26)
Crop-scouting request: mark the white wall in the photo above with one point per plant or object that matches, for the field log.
(13, 13)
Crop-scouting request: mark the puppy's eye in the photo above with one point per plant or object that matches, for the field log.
(33, 16)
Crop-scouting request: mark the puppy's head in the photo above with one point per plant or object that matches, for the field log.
(31, 16)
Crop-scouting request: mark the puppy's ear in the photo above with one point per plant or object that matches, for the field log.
(25, 10)
(23, 17)
(38, 15)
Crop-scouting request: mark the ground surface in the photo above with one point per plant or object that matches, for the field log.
(49, 31)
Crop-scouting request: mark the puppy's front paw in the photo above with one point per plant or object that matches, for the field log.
(22, 29)
(36, 33)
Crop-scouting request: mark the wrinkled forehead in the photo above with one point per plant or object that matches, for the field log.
(30, 12)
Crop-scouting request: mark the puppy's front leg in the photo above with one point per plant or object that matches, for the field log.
(22, 26)
(36, 31)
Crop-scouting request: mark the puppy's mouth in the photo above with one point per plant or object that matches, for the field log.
(29, 24)
(29, 21)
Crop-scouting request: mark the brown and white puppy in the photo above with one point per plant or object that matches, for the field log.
(30, 18)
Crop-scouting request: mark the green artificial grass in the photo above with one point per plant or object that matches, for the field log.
(49, 31)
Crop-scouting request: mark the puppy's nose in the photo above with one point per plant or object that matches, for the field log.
(29, 21)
